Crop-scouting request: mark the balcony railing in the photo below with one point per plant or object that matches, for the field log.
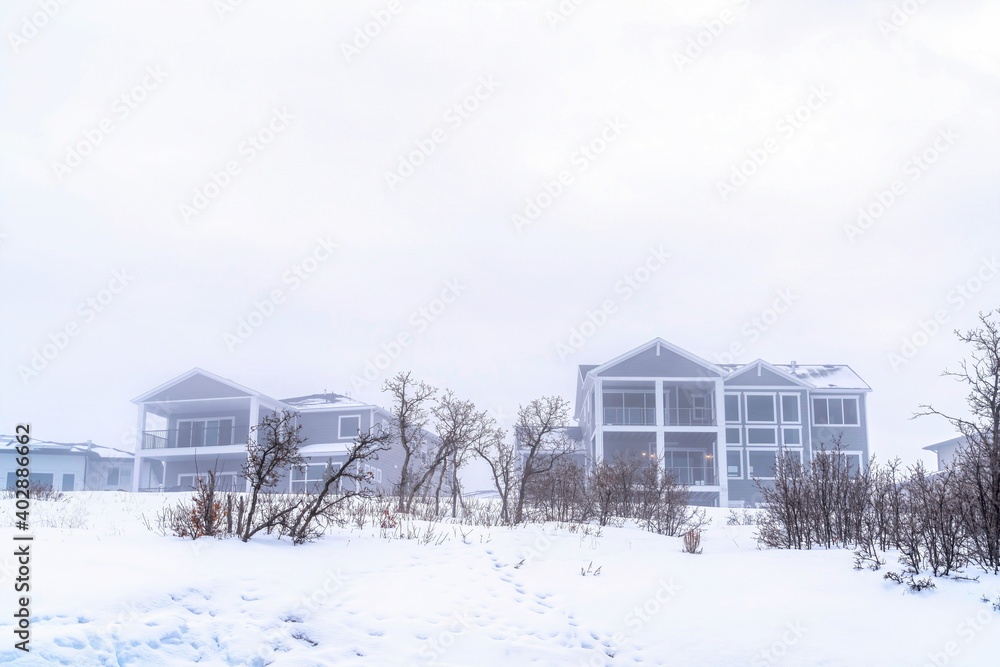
(197, 437)
(629, 416)
(693, 475)
(689, 417)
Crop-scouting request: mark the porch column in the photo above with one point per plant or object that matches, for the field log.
(140, 438)
(599, 421)
(254, 420)
(720, 442)
(660, 407)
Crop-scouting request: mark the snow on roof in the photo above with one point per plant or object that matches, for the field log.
(324, 449)
(952, 442)
(822, 376)
(9, 442)
(323, 402)
(828, 376)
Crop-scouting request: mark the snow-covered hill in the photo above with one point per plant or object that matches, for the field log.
(106, 591)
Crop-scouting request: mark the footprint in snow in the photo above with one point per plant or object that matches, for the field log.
(69, 642)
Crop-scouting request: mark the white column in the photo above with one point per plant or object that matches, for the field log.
(140, 438)
(254, 420)
(660, 407)
(598, 421)
(720, 442)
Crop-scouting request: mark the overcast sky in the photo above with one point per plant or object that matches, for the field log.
(481, 179)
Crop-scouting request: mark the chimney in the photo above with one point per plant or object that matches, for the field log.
(794, 366)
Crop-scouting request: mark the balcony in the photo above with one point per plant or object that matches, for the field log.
(629, 416)
(693, 475)
(195, 437)
(700, 416)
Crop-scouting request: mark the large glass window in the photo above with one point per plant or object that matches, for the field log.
(732, 407)
(733, 436)
(790, 409)
(204, 432)
(624, 408)
(792, 436)
(760, 408)
(308, 478)
(835, 411)
(760, 462)
(762, 436)
(734, 463)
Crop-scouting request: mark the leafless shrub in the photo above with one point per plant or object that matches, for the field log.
(692, 542)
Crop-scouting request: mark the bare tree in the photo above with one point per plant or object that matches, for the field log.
(409, 428)
(306, 522)
(542, 441)
(460, 426)
(270, 454)
(977, 463)
(501, 457)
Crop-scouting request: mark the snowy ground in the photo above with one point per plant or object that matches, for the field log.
(109, 592)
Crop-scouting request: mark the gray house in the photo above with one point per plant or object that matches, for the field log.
(69, 466)
(718, 428)
(200, 422)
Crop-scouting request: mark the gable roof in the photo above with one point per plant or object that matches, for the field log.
(758, 364)
(659, 344)
(194, 381)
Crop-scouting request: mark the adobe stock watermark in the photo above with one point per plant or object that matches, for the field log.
(914, 167)
(294, 278)
(306, 607)
(786, 127)
(968, 630)
(87, 311)
(703, 40)
(121, 109)
(900, 15)
(365, 34)
(635, 619)
(957, 298)
(625, 288)
(433, 649)
(581, 159)
(454, 117)
(756, 326)
(779, 649)
(252, 146)
(224, 8)
(420, 320)
(32, 25)
(562, 12)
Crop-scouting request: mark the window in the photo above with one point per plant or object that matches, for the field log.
(760, 408)
(349, 426)
(734, 463)
(794, 454)
(792, 436)
(733, 436)
(623, 408)
(761, 463)
(732, 407)
(205, 432)
(69, 481)
(835, 412)
(762, 436)
(790, 408)
(308, 478)
(35, 479)
(113, 476)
